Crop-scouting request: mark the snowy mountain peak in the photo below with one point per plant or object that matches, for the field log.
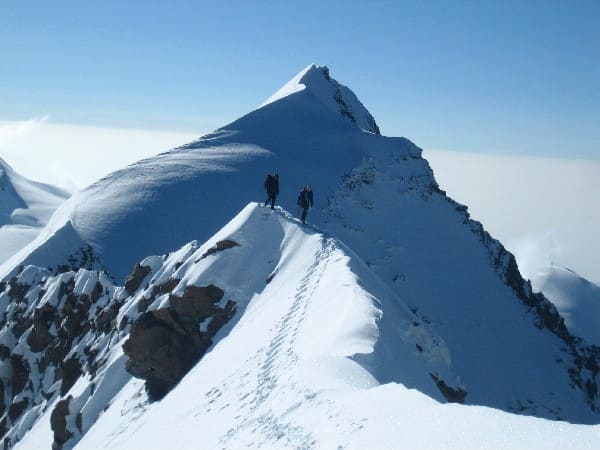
(316, 81)
(331, 334)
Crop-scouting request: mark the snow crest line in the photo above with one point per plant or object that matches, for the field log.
(280, 357)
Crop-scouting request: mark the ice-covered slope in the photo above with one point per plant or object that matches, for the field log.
(283, 370)
(25, 207)
(577, 299)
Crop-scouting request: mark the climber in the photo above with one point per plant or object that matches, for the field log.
(271, 185)
(305, 201)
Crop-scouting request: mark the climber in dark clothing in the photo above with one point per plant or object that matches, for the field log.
(305, 201)
(271, 185)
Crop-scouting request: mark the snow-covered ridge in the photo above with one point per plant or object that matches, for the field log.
(335, 96)
(26, 202)
(72, 338)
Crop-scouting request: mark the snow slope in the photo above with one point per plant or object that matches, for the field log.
(281, 328)
(160, 203)
(25, 207)
(577, 299)
(284, 372)
(470, 328)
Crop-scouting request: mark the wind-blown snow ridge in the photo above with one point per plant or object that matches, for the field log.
(26, 202)
(25, 207)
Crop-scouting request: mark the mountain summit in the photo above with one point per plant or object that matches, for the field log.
(163, 298)
(315, 80)
(311, 131)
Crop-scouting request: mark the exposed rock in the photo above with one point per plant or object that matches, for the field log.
(68, 371)
(453, 395)
(164, 344)
(270, 277)
(58, 423)
(219, 247)
(20, 325)
(106, 320)
(134, 281)
(159, 352)
(196, 303)
(97, 292)
(2, 405)
(20, 373)
(17, 291)
(168, 286)
(16, 409)
(40, 337)
(3, 430)
(84, 258)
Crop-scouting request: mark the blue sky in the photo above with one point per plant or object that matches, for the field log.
(509, 77)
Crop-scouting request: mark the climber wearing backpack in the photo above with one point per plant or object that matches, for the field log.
(271, 185)
(305, 201)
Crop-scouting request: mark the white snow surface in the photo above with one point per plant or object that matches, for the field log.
(160, 203)
(335, 96)
(284, 373)
(390, 284)
(25, 208)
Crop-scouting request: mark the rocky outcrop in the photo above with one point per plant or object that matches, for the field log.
(134, 281)
(58, 423)
(451, 394)
(19, 373)
(49, 317)
(164, 344)
(219, 247)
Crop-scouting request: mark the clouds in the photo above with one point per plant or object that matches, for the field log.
(536, 252)
(74, 156)
(15, 130)
(542, 209)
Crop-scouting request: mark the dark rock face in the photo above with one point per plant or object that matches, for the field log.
(106, 320)
(20, 373)
(134, 281)
(68, 371)
(219, 247)
(58, 423)
(453, 395)
(2, 405)
(40, 336)
(164, 344)
(51, 331)
(16, 409)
